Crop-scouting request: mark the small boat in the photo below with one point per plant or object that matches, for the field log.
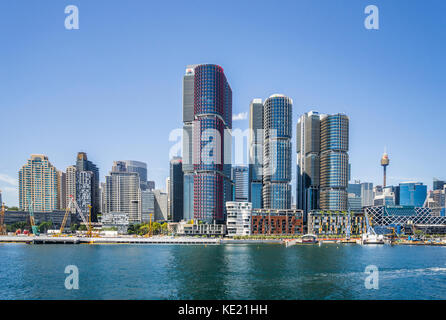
(309, 238)
(368, 238)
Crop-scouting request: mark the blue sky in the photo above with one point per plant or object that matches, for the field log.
(113, 88)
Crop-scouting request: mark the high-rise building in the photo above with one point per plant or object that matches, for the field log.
(367, 194)
(308, 161)
(140, 168)
(188, 118)
(38, 185)
(161, 213)
(211, 148)
(61, 190)
(122, 193)
(334, 162)
(255, 153)
(240, 179)
(176, 189)
(147, 205)
(84, 182)
(169, 217)
(355, 188)
(412, 194)
(83, 164)
(151, 185)
(438, 184)
(277, 124)
(384, 196)
(322, 162)
(70, 183)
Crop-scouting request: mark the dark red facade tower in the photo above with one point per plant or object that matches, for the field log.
(212, 116)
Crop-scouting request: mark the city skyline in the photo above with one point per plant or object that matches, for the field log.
(400, 95)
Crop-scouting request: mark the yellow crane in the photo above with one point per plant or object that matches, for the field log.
(90, 231)
(2, 221)
(149, 234)
(72, 205)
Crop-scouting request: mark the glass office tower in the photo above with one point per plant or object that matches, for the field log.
(255, 153)
(334, 162)
(277, 125)
(412, 194)
(210, 148)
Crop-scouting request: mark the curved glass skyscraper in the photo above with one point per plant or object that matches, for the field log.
(212, 116)
(334, 162)
(277, 125)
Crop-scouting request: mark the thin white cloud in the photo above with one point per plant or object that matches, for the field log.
(10, 189)
(240, 116)
(8, 179)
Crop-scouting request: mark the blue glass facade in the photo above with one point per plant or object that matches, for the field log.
(277, 152)
(412, 194)
(334, 167)
(212, 116)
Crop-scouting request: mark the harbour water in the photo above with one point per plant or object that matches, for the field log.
(230, 271)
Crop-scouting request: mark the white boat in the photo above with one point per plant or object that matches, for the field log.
(368, 238)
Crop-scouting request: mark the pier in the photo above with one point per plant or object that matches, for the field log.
(108, 240)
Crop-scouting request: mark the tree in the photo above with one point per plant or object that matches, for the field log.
(164, 228)
(45, 226)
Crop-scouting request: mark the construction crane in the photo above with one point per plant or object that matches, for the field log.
(90, 231)
(149, 234)
(31, 217)
(2, 221)
(72, 206)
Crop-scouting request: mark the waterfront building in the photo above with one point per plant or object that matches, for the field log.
(277, 123)
(118, 220)
(83, 164)
(147, 205)
(140, 168)
(407, 216)
(240, 179)
(308, 161)
(122, 193)
(255, 153)
(56, 217)
(334, 162)
(367, 194)
(277, 221)
(239, 218)
(327, 222)
(176, 189)
(196, 229)
(211, 148)
(161, 212)
(38, 184)
(412, 194)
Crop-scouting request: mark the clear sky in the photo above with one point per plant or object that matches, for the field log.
(113, 88)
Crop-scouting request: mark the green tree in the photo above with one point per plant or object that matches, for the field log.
(164, 228)
(45, 226)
